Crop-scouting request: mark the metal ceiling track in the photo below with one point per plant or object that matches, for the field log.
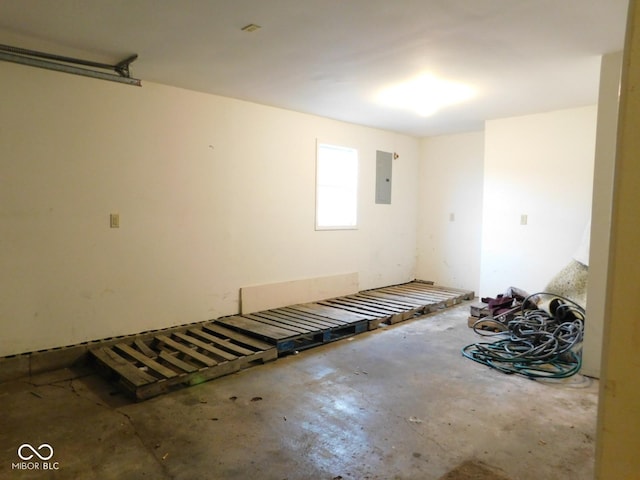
(70, 65)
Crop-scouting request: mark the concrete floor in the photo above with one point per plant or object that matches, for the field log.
(396, 403)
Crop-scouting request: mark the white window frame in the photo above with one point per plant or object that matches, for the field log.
(336, 190)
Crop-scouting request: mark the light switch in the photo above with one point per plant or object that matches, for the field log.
(523, 219)
(114, 220)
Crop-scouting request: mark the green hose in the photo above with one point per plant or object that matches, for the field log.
(537, 343)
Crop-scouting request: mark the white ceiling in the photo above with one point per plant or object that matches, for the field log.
(331, 57)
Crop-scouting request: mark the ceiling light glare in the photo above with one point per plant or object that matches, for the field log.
(425, 94)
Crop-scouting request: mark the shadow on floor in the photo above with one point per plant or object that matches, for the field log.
(473, 470)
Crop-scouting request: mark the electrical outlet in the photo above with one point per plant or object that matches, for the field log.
(114, 220)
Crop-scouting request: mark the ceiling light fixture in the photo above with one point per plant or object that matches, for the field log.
(425, 94)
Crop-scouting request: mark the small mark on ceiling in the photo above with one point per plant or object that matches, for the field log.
(252, 27)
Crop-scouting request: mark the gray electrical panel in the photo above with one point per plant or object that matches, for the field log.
(384, 164)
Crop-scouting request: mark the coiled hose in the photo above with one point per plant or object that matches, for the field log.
(536, 343)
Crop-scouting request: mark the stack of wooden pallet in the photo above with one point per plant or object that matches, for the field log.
(150, 365)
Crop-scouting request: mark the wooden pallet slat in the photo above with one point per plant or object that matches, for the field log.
(189, 352)
(333, 312)
(394, 299)
(127, 370)
(292, 325)
(140, 345)
(373, 304)
(205, 346)
(330, 322)
(466, 294)
(361, 309)
(270, 332)
(316, 323)
(148, 362)
(336, 311)
(414, 292)
(222, 344)
(238, 338)
(176, 362)
(352, 308)
(424, 297)
(425, 289)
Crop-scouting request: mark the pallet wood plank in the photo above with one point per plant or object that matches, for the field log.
(236, 336)
(409, 302)
(415, 292)
(422, 296)
(205, 346)
(427, 290)
(190, 352)
(267, 331)
(289, 324)
(448, 297)
(293, 329)
(332, 312)
(223, 344)
(331, 322)
(355, 307)
(153, 389)
(312, 323)
(375, 304)
(144, 349)
(420, 287)
(122, 367)
(316, 310)
(467, 294)
(406, 311)
(176, 362)
(375, 318)
(148, 362)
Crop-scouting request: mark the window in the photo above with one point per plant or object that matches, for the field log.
(336, 187)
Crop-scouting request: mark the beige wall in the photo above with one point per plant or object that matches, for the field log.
(618, 439)
(217, 194)
(213, 194)
(541, 166)
(451, 170)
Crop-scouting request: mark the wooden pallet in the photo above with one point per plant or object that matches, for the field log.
(306, 325)
(151, 364)
(414, 298)
(300, 326)
(189, 356)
